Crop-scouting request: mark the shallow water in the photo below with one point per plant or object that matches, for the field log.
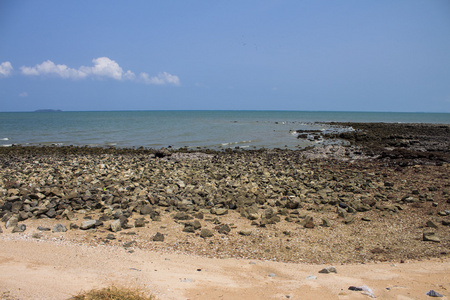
(208, 129)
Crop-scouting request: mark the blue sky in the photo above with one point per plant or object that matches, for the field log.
(238, 55)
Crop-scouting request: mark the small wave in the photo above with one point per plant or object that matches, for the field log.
(6, 145)
(4, 139)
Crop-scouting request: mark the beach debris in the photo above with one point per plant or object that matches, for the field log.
(364, 289)
(433, 293)
(328, 270)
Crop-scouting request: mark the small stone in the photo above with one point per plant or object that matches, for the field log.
(430, 237)
(85, 225)
(159, 237)
(245, 232)
(431, 224)
(272, 275)
(205, 233)
(19, 228)
(325, 223)
(366, 219)
(116, 225)
(433, 293)
(221, 211)
(328, 270)
(59, 228)
(1, 230)
(110, 236)
(311, 277)
(12, 222)
(139, 222)
(40, 228)
(224, 229)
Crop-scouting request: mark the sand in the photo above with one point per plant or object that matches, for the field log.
(55, 269)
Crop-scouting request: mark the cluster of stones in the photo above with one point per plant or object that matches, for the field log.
(263, 186)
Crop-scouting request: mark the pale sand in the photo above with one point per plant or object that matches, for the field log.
(37, 269)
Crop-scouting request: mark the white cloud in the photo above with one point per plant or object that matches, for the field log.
(5, 69)
(49, 68)
(103, 68)
(160, 79)
(23, 94)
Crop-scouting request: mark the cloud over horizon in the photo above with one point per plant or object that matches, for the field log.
(103, 67)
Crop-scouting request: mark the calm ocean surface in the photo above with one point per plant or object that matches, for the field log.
(210, 129)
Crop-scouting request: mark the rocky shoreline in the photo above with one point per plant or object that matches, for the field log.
(361, 203)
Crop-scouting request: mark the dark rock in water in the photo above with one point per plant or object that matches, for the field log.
(159, 237)
(19, 228)
(59, 228)
(163, 152)
(433, 293)
(328, 270)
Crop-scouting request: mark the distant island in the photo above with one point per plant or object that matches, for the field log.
(48, 110)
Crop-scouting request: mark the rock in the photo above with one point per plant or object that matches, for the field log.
(308, 222)
(311, 277)
(182, 216)
(115, 225)
(431, 224)
(19, 228)
(223, 229)
(245, 232)
(430, 237)
(328, 270)
(367, 219)
(85, 225)
(110, 236)
(220, 211)
(159, 237)
(433, 293)
(139, 222)
(163, 152)
(272, 275)
(59, 228)
(325, 223)
(146, 210)
(206, 233)
(1, 230)
(12, 222)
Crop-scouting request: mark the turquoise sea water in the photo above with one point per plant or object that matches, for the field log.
(209, 129)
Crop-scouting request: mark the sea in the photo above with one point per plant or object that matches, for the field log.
(186, 129)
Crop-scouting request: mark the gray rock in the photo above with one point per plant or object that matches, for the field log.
(1, 230)
(59, 228)
(433, 293)
(19, 228)
(245, 232)
(159, 237)
(431, 224)
(115, 226)
(272, 275)
(12, 222)
(311, 277)
(328, 270)
(110, 236)
(139, 222)
(85, 225)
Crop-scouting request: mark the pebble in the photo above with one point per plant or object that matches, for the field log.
(328, 270)
(272, 275)
(159, 237)
(311, 277)
(19, 228)
(433, 293)
(40, 228)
